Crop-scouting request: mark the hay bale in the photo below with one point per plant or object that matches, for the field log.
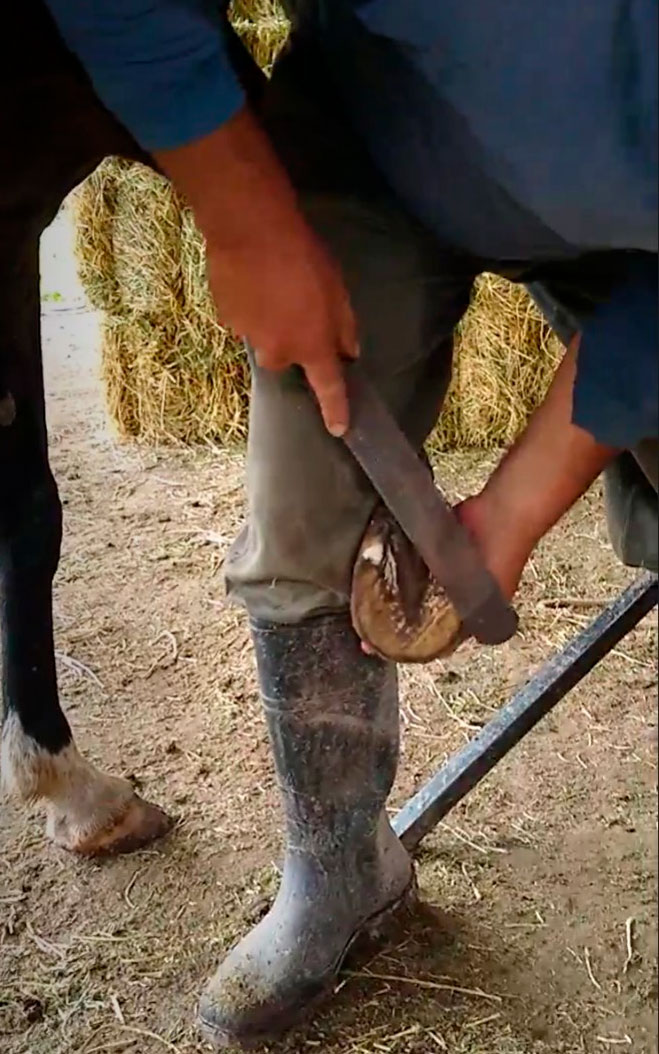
(118, 375)
(95, 204)
(173, 374)
(182, 381)
(146, 244)
(197, 297)
(263, 27)
(505, 357)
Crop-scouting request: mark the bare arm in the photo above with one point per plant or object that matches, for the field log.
(548, 469)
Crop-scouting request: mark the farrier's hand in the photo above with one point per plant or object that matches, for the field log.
(281, 290)
(273, 281)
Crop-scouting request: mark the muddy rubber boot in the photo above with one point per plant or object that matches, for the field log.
(332, 715)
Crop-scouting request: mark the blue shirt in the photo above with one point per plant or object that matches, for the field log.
(616, 395)
(544, 111)
(515, 129)
(160, 65)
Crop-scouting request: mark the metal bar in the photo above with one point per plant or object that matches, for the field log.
(468, 767)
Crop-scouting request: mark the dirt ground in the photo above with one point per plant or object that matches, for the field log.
(538, 932)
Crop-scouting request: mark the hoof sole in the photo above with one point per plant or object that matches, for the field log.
(398, 609)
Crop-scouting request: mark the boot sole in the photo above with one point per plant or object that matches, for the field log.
(374, 927)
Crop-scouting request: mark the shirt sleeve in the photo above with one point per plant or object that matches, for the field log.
(616, 395)
(160, 66)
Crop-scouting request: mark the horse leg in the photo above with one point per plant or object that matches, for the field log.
(56, 133)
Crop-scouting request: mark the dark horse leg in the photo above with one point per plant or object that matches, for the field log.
(53, 133)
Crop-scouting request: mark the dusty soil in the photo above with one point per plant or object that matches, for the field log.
(538, 891)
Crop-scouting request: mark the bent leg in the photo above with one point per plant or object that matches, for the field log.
(309, 502)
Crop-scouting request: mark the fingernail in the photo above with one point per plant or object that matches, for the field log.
(336, 430)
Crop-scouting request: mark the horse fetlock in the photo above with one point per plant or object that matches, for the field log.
(87, 811)
(28, 771)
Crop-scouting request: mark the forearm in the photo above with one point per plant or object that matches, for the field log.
(272, 279)
(233, 181)
(548, 469)
(553, 463)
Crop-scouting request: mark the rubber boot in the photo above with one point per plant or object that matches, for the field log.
(332, 715)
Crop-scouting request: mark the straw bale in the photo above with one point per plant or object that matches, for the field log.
(95, 204)
(184, 381)
(505, 357)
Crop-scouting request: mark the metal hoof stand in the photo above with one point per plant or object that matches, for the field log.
(556, 678)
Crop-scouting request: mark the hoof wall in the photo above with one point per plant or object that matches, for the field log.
(140, 824)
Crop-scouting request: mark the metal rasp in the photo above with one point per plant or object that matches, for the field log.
(407, 489)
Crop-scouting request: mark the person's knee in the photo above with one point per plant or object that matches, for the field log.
(308, 504)
(632, 511)
(308, 501)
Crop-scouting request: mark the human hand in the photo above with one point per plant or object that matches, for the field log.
(273, 281)
(283, 293)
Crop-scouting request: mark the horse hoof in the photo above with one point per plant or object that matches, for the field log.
(398, 609)
(138, 825)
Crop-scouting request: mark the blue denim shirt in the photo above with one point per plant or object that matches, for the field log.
(516, 129)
